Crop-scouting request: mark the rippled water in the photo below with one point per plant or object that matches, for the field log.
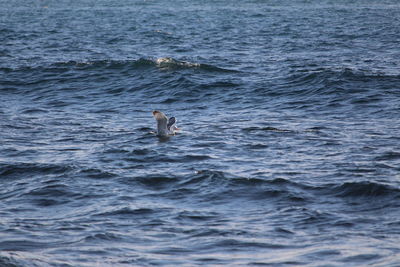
(289, 153)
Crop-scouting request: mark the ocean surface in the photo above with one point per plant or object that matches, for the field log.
(289, 153)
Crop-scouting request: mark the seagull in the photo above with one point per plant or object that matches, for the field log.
(165, 126)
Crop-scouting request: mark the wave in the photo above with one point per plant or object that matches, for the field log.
(330, 89)
(332, 74)
(18, 170)
(97, 174)
(327, 81)
(365, 189)
(163, 63)
(19, 256)
(389, 155)
(218, 185)
(114, 77)
(265, 129)
(127, 211)
(193, 82)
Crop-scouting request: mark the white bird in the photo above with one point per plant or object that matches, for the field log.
(165, 126)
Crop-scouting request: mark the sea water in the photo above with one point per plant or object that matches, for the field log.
(289, 150)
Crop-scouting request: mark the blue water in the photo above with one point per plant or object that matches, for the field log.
(289, 153)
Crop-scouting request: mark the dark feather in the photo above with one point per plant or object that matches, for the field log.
(171, 122)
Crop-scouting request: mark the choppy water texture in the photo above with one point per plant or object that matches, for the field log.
(289, 153)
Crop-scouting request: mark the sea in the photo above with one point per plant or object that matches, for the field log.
(288, 152)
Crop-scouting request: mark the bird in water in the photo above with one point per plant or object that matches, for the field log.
(165, 126)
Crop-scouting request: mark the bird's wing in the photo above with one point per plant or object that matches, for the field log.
(171, 122)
